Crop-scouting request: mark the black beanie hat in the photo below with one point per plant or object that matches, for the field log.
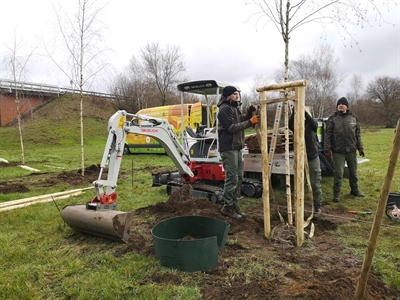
(342, 100)
(228, 90)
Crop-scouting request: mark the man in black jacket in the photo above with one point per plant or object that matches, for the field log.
(231, 126)
(342, 139)
(314, 167)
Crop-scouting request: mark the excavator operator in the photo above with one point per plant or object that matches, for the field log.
(231, 126)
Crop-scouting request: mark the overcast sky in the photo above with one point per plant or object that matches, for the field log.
(214, 35)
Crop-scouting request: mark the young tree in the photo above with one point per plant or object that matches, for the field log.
(320, 69)
(81, 37)
(165, 67)
(287, 16)
(385, 92)
(17, 64)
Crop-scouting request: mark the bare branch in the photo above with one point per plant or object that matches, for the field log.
(289, 15)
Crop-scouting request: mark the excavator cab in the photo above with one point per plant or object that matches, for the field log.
(204, 143)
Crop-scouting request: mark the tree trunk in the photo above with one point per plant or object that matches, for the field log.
(19, 125)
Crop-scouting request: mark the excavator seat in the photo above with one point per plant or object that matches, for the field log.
(191, 132)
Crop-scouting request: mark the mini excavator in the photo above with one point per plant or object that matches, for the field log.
(196, 157)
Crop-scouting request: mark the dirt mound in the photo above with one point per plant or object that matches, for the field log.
(73, 178)
(270, 268)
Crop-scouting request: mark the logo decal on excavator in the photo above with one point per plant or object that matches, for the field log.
(149, 130)
(121, 121)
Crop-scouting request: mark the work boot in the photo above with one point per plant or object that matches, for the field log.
(317, 214)
(357, 193)
(239, 212)
(336, 197)
(230, 212)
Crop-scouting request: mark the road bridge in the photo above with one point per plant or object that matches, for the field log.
(32, 96)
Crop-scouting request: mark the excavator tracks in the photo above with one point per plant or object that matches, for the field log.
(213, 193)
(249, 188)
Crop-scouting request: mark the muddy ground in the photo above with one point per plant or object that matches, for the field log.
(317, 270)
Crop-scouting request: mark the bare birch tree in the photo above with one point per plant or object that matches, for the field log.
(81, 37)
(287, 16)
(164, 66)
(17, 67)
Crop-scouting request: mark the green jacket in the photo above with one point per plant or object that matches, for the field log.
(231, 126)
(342, 133)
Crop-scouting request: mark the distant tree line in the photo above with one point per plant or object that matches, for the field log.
(151, 79)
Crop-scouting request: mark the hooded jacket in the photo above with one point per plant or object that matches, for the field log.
(231, 125)
(342, 133)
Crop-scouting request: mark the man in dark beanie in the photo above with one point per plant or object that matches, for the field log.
(343, 101)
(231, 126)
(229, 90)
(342, 139)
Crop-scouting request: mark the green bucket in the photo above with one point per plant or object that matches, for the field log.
(189, 243)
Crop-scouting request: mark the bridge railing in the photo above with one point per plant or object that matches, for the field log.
(46, 88)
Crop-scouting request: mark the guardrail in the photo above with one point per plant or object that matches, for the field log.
(46, 88)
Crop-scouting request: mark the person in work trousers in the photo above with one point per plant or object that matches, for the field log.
(342, 140)
(231, 126)
(314, 166)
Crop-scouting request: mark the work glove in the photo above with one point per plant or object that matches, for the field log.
(254, 119)
(361, 152)
(328, 154)
(250, 111)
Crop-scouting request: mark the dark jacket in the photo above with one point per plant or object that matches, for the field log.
(342, 133)
(231, 125)
(310, 134)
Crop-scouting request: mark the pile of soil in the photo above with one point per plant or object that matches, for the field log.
(34, 180)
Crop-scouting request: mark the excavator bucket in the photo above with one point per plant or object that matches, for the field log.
(109, 224)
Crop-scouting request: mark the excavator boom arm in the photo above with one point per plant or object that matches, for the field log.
(118, 128)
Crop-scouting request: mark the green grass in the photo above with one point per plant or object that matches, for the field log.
(41, 258)
(378, 144)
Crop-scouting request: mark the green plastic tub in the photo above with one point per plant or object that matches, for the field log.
(189, 243)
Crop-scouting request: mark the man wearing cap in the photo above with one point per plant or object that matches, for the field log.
(342, 140)
(231, 126)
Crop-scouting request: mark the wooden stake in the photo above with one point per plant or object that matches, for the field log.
(10, 205)
(265, 172)
(285, 85)
(299, 148)
(287, 160)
